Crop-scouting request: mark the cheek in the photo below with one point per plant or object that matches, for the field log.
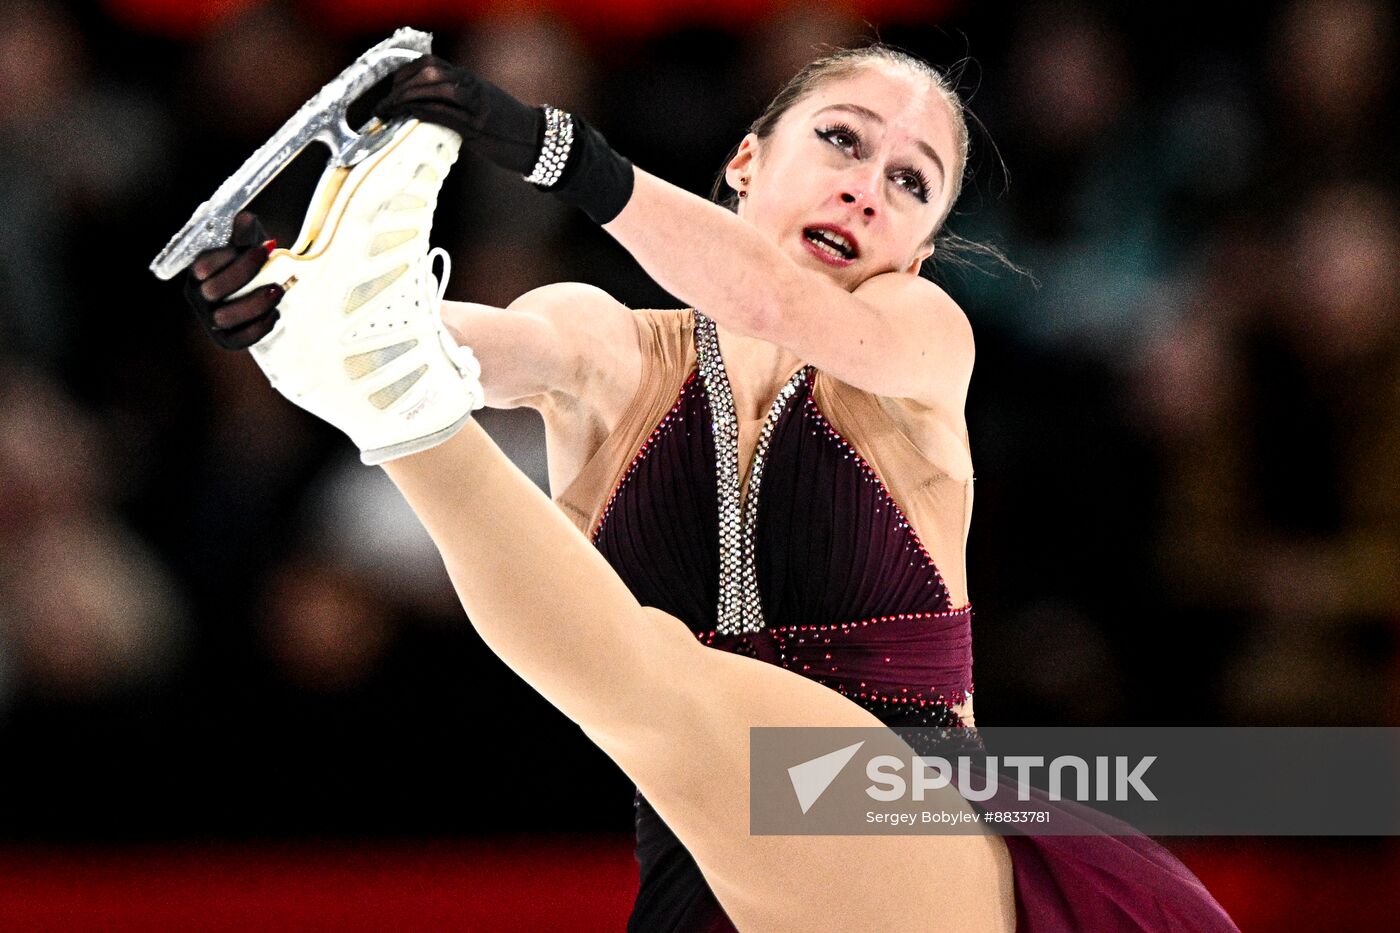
(794, 171)
(777, 202)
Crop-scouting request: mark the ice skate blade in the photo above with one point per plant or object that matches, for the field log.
(322, 118)
(338, 187)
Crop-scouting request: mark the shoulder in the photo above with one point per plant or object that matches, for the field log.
(593, 327)
(593, 335)
(933, 418)
(930, 318)
(567, 300)
(922, 304)
(587, 308)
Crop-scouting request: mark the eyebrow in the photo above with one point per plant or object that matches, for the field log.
(874, 117)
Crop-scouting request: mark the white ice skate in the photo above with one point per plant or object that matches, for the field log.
(360, 341)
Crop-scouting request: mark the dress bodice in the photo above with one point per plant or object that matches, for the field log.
(812, 565)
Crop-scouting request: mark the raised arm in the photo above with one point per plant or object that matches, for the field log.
(872, 190)
(896, 334)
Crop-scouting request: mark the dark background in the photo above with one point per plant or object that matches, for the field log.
(216, 628)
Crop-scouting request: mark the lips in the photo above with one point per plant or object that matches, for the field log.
(831, 244)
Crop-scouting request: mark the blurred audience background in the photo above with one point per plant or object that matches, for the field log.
(216, 625)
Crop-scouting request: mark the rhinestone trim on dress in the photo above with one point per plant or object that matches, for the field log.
(786, 638)
(740, 608)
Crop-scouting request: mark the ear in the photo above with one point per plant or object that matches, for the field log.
(918, 260)
(742, 165)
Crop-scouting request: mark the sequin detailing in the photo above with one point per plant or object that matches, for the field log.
(902, 711)
(740, 608)
(875, 672)
(709, 637)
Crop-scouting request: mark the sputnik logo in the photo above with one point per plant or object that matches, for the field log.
(811, 778)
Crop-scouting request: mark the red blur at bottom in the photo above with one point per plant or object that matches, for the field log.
(511, 885)
(570, 884)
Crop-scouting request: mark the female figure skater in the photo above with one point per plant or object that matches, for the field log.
(783, 474)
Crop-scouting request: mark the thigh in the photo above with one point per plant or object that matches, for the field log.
(689, 754)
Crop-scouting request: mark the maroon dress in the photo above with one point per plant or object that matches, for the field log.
(819, 571)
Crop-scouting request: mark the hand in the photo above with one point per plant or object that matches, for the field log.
(492, 123)
(217, 273)
(589, 174)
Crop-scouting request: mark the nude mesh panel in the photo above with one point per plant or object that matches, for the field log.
(405, 202)
(366, 290)
(362, 364)
(392, 392)
(390, 239)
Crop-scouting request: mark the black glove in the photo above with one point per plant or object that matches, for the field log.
(217, 273)
(510, 134)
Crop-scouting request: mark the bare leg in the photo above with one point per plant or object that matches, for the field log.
(361, 345)
(676, 715)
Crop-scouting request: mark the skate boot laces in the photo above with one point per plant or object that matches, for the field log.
(462, 357)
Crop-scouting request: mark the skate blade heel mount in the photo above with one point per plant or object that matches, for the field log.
(323, 118)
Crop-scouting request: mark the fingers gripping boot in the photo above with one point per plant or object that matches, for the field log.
(360, 342)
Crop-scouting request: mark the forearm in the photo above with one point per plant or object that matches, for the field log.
(709, 258)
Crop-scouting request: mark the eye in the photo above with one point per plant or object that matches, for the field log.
(913, 181)
(842, 137)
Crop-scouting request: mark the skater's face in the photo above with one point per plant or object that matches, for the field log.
(856, 175)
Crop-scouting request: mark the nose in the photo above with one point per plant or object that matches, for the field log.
(851, 197)
(860, 186)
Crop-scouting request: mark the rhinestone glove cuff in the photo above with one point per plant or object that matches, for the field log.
(554, 154)
(591, 175)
